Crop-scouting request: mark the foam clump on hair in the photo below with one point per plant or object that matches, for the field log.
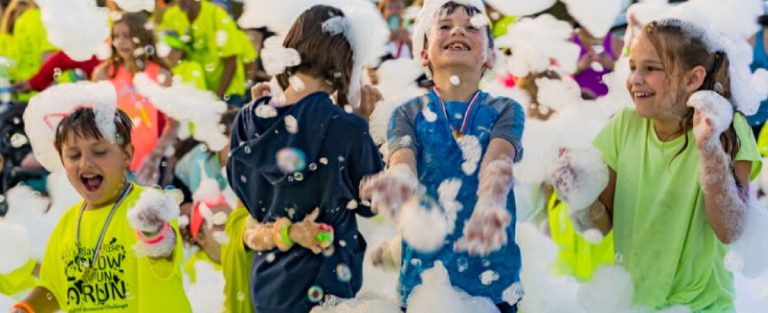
(78, 27)
(48, 108)
(694, 19)
(185, 103)
(336, 25)
(277, 58)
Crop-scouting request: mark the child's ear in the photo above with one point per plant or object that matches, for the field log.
(424, 58)
(128, 155)
(491, 60)
(695, 78)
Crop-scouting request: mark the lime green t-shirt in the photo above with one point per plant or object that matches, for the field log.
(575, 255)
(189, 72)
(31, 42)
(661, 233)
(123, 281)
(213, 35)
(19, 280)
(236, 261)
(249, 54)
(8, 50)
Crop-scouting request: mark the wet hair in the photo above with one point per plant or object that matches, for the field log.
(82, 123)
(681, 48)
(142, 38)
(323, 56)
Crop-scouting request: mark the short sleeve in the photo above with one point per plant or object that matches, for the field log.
(401, 132)
(227, 34)
(748, 147)
(510, 124)
(608, 140)
(367, 161)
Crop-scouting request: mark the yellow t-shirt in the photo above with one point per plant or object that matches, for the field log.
(190, 72)
(31, 42)
(236, 261)
(19, 280)
(213, 35)
(123, 282)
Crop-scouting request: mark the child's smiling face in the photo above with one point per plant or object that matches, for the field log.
(96, 168)
(453, 42)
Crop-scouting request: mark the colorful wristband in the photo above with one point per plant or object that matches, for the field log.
(325, 235)
(24, 306)
(151, 241)
(280, 234)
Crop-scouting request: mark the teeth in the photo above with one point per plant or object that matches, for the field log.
(89, 176)
(642, 94)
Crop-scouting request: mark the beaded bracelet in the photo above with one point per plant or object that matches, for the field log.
(150, 241)
(24, 306)
(280, 234)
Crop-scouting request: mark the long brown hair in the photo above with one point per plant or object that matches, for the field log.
(6, 26)
(680, 51)
(323, 55)
(142, 38)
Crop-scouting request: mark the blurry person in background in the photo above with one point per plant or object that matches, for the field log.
(596, 59)
(393, 11)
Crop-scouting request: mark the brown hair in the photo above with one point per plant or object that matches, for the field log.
(323, 55)
(136, 23)
(680, 52)
(82, 123)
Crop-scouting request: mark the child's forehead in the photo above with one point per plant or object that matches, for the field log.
(83, 139)
(454, 12)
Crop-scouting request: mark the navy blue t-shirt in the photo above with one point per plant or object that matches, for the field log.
(338, 153)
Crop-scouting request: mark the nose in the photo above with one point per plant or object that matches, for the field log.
(635, 78)
(458, 31)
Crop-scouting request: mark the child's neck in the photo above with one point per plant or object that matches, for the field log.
(467, 85)
(311, 85)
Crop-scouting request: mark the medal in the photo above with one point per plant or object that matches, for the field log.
(465, 118)
(88, 274)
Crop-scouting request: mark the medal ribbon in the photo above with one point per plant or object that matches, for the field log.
(99, 243)
(465, 118)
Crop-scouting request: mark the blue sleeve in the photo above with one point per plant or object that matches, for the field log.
(509, 126)
(401, 131)
(366, 161)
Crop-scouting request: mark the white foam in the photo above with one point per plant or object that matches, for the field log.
(422, 224)
(78, 27)
(597, 16)
(520, 7)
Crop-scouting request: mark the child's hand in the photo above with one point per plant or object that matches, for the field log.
(579, 177)
(305, 233)
(260, 90)
(712, 115)
(369, 96)
(388, 190)
(485, 231)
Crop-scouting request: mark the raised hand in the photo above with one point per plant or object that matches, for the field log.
(388, 190)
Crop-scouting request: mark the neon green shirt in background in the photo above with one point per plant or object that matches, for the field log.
(236, 262)
(762, 141)
(124, 282)
(189, 72)
(31, 42)
(661, 233)
(19, 280)
(575, 255)
(213, 35)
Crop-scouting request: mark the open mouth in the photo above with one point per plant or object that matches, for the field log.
(457, 46)
(91, 182)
